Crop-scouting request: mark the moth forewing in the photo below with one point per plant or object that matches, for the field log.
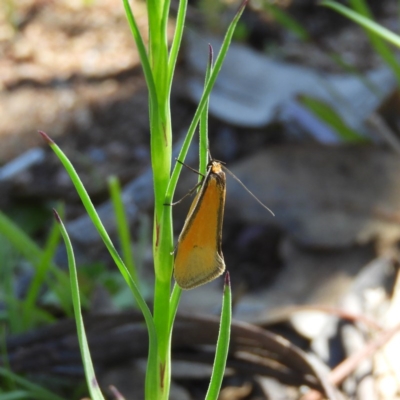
(198, 257)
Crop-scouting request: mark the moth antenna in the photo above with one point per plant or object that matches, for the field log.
(248, 191)
(188, 166)
(209, 154)
(191, 191)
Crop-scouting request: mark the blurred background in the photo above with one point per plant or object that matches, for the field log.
(305, 112)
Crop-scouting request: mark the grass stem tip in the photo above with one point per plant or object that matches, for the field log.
(46, 137)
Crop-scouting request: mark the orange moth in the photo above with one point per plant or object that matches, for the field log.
(198, 257)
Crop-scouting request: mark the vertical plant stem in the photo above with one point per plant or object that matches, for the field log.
(158, 68)
(161, 153)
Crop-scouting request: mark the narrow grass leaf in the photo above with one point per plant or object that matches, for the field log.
(36, 392)
(41, 273)
(176, 41)
(365, 22)
(90, 209)
(12, 304)
(122, 227)
(351, 69)
(286, 20)
(15, 395)
(174, 302)
(221, 354)
(325, 112)
(8, 383)
(91, 380)
(202, 103)
(377, 42)
(31, 251)
(144, 59)
(203, 131)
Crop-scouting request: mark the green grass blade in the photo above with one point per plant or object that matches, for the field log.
(29, 249)
(36, 392)
(364, 22)
(376, 41)
(90, 209)
(144, 59)
(351, 69)
(202, 103)
(164, 19)
(8, 383)
(221, 354)
(174, 302)
(91, 380)
(176, 42)
(23, 243)
(326, 113)
(286, 20)
(203, 130)
(15, 395)
(7, 291)
(155, 72)
(41, 273)
(122, 227)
